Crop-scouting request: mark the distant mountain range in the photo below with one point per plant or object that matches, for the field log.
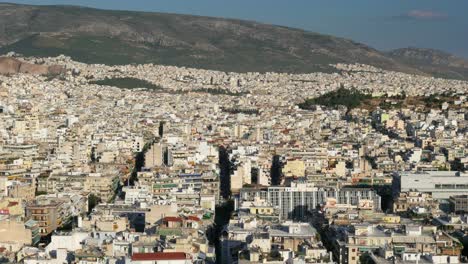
(434, 62)
(124, 37)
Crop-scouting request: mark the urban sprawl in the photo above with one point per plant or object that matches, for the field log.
(201, 166)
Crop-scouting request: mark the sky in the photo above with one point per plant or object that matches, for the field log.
(382, 24)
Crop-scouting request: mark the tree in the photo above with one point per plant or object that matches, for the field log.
(457, 165)
(350, 98)
(254, 175)
(93, 200)
(93, 154)
(161, 128)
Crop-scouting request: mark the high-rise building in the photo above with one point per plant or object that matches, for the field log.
(46, 213)
(295, 202)
(154, 157)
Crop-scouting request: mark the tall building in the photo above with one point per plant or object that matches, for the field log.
(103, 186)
(295, 202)
(46, 213)
(154, 157)
(459, 203)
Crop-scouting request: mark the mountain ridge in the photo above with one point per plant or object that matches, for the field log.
(123, 37)
(435, 56)
(435, 62)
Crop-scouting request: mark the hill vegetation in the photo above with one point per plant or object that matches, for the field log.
(135, 83)
(127, 83)
(351, 98)
(218, 91)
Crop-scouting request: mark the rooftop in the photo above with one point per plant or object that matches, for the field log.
(160, 256)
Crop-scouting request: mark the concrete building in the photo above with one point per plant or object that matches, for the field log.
(14, 235)
(47, 213)
(442, 184)
(154, 157)
(103, 186)
(24, 191)
(296, 202)
(294, 168)
(161, 258)
(70, 241)
(459, 203)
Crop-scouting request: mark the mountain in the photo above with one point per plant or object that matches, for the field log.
(122, 37)
(434, 62)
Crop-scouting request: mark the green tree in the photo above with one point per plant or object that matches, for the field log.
(93, 200)
(351, 98)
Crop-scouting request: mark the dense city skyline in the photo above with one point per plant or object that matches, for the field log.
(155, 138)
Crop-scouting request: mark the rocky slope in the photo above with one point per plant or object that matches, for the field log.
(434, 62)
(10, 65)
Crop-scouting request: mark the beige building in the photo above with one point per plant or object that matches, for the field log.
(294, 168)
(24, 191)
(262, 210)
(241, 176)
(47, 213)
(340, 169)
(102, 186)
(154, 157)
(410, 200)
(14, 235)
(158, 212)
(11, 206)
(107, 223)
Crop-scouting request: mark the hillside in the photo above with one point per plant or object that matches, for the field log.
(434, 62)
(122, 37)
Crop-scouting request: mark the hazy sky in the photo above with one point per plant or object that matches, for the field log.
(383, 24)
